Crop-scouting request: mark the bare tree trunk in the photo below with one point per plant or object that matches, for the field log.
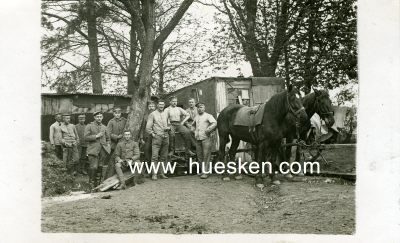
(287, 75)
(309, 74)
(141, 92)
(133, 79)
(95, 70)
(149, 46)
(161, 71)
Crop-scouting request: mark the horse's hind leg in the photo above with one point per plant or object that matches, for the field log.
(232, 153)
(223, 140)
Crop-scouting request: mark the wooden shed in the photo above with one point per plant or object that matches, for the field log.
(80, 103)
(218, 92)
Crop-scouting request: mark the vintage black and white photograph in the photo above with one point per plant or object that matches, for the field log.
(199, 116)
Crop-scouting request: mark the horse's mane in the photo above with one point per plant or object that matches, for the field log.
(308, 102)
(276, 106)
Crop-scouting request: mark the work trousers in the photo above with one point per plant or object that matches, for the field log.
(159, 152)
(70, 157)
(97, 167)
(59, 151)
(82, 151)
(203, 151)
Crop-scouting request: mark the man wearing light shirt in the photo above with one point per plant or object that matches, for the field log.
(158, 127)
(69, 141)
(174, 115)
(204, 124)
(55, 136)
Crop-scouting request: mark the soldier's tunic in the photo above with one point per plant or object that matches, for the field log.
(97, 148)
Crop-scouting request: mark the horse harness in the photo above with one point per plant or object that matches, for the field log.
(252, 126)
(296, 115)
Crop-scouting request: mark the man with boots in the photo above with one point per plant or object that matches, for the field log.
(82, 146)
(174, 115)
(55, 136)
(157, 126)
(115, 127)
(126, 151)
(98, 149)
(69, 141)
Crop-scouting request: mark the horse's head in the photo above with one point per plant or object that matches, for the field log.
(295, 105)
(323, 106)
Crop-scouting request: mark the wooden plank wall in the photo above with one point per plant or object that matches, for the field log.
(52, 106)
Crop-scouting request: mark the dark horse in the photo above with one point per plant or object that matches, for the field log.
(316, 102)
(268, 135)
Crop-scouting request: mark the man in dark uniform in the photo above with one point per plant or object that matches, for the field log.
(98, 149)
(115, 127)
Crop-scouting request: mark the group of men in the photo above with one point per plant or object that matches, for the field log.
(114, 148)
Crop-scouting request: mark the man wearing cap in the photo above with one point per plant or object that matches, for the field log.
(115, 127)
(69, 142)
(98, 149)
(126, 151)
(82, 146)
(145, 137)
(192, 110)
(204, 124)
(158, 127)
(174, 115)
(55, 136)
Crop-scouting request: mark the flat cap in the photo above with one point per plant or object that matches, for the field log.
(96, 113)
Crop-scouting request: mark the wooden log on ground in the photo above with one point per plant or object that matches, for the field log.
(113, 182)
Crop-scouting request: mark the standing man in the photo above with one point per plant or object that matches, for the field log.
(204, 124)
(55, 136)
(145, 137)
(98, 149)
(127, 151)
(69, 141)
(115, 127)
(157, 126)
(192, 110)
(174, 114)
(82, 146)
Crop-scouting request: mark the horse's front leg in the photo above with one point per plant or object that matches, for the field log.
(259, 158)
(274, 164)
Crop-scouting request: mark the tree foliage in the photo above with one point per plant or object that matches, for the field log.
(311, 43)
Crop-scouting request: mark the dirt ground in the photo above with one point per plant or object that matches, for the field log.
(187, 204)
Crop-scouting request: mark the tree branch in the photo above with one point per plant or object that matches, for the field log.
(171, 24)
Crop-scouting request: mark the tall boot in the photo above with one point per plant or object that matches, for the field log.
(104, 173)
(121, 178)
(92, 175)
(75, 168)
(82, 168)
(98, 176)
